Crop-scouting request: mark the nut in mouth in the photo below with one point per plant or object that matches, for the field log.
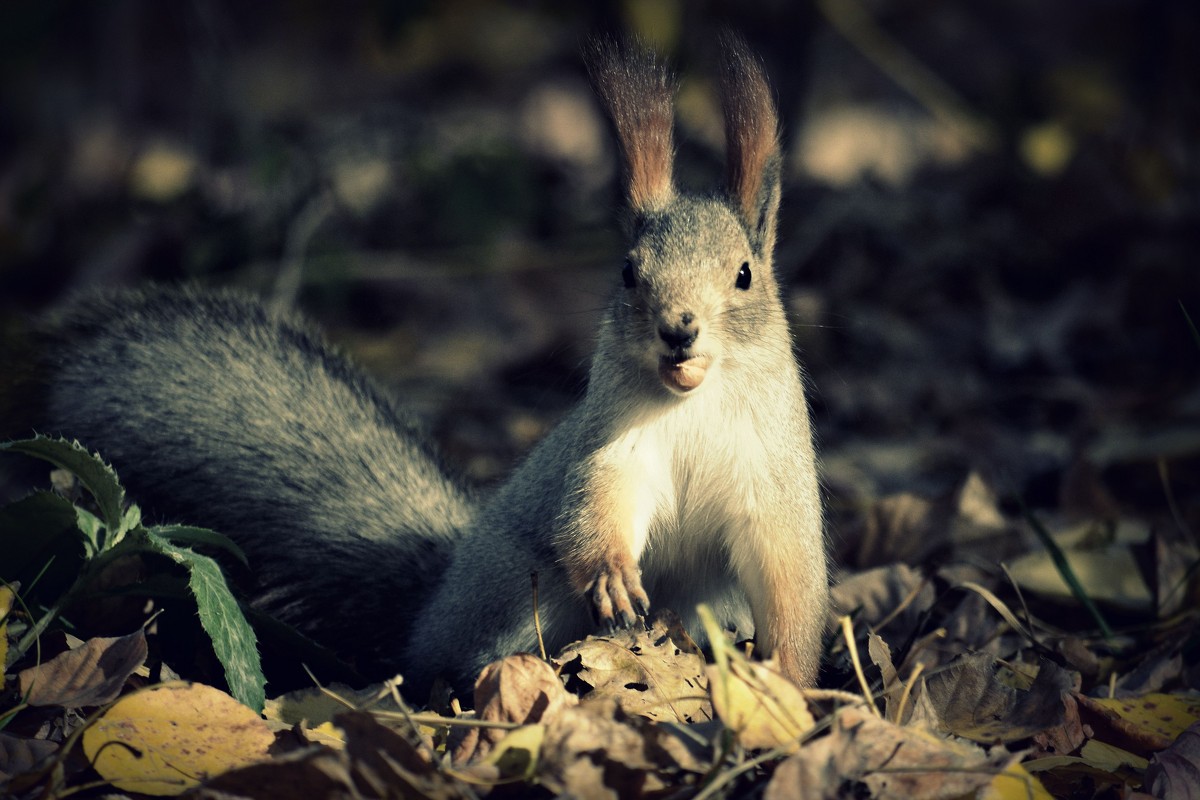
(682, 374)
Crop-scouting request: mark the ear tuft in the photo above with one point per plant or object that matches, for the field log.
(638, 94)
(753, 161)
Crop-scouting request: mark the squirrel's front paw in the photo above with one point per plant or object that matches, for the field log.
(617, 595)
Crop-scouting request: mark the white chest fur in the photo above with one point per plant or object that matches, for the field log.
(694, 469)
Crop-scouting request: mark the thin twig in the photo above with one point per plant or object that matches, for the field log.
(908, 685)
(848, 633)
(537, 617)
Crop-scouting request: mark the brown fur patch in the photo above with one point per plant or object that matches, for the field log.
(751, 125)
(638, 94)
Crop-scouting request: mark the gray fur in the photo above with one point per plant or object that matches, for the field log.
(216, 412)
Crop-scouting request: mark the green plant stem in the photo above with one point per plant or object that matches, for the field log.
(1064, 569)
(39, 627)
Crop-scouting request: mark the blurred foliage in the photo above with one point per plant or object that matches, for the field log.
(434, 183)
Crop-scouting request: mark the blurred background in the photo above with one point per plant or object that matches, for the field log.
(989, 237)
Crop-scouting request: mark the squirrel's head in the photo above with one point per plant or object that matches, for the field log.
(697, 283)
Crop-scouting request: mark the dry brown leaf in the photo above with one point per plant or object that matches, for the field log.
(810, 774)
(874, 596)
(314, 773)
(385, 763)
(969, 699)
(1175, 772)
(905, 762)
(90, 675)
(1177, 584)
(520, 689)
(1067, 737)
(594, 751)
(656, 673)
(900, 528)
(19, 755)
(881, 657)
(377, 762)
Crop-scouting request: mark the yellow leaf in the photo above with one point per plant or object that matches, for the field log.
(6, 601)
(1167, 715)
(1106, 757)
(327, 734)
(516, 755)
(167, 739)
(761, 706)
(1015, 783)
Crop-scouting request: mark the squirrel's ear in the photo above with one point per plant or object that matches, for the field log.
(638, 94)
(753, 164)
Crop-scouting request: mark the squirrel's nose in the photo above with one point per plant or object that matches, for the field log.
(682, 335)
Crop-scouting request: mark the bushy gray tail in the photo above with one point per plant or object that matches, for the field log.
(217, 412)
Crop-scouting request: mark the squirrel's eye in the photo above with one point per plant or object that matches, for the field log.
(743, 278)
(627, 275)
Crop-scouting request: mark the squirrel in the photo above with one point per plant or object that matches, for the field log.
(686, 474)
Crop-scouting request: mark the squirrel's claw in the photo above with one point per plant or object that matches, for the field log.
(617, 597)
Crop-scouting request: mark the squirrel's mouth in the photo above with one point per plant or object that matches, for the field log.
(682, 375)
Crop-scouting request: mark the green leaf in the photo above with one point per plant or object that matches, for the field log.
(39, 536)
(233, 639)
(91, 527)
(93, 473)
(188, 535)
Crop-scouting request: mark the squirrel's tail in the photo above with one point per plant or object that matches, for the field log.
(217, 412)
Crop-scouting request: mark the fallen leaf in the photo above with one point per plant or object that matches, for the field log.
(1175, 772)
(163, 740)
(970, 700)
(1015, 783)
(865, 755)
(1100, 555)
(881, 656)
(1067, 737)
(314, 706)
(1146, 723)
(516, 755)
(89, 675)
(590, 751)
(900, 528)
(6, 602)
(1177, 583)
(1106, 757)
(875, 594)
(656, 673)
(310, 773)
(520, 689)
(386, 763)
(810, 774)
(19, 755)
(762, 708)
